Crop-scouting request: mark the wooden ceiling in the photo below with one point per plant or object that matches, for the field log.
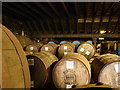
(63, 19)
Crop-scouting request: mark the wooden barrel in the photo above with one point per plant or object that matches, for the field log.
(86, 49)
(62, 42)
(50, 47)
(94, 87)
(24, 41)
(15, 70)
(105, 69)
(118, 48)
(72, 69)
(65, 48)
(35, 47)
(77, 43)
(40, 65)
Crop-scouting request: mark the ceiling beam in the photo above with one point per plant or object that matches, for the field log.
(16, 11)
(56, 28)
(30, 27)
(36, 27)
(44, 9)
(93, 16)
(61, 22)
(43, 28)
(41, 15)
(77, 36)
(76, 9)
(109, 8)
(49, 27)
(101, 15)
(117, 24)
(110, 17)
(23, 10)
(66, 10)
(54, 9)
(85, 16)
(71, 25)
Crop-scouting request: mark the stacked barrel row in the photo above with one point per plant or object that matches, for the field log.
(42, 66)
(86, 49)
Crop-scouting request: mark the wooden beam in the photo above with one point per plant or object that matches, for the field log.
(23, 10)
(54, 9)
(30, 28)
(44, 9)
(71, 22)
(85, 16)
(34, 10)
(36, 27)
(101, 17)
(56, 29)
(43, 28)
(93, 17)
(109, 8)
(76, 9)
(117, 24)
(67, 12)
(61, 22)
(110, 16)
(16, 11)
(76, 25)
(77, 36)
(50, 30)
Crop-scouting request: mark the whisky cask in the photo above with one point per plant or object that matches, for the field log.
(65, 49)
(35, 47)
(40, 65)
(105, 69)
(15, 70)
(72, 69)
(50, 47)
(86, 49)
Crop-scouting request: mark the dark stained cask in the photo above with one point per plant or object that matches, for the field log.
(65, 48)
(15, 70)
(40, 65)
(86, 49)
(106, 69)
(72, 69)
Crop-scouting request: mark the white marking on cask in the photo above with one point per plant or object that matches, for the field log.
(68, 86)
(65, 47)
(46, 48)
(117, 67)
(82, 49)
(31, 62)
(31, 52)
(65, 53)
(87, 53)
(31, 48)
(32, 84)
(69, 64)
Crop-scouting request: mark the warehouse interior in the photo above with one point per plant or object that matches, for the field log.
(45, 22)
(63, 20)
